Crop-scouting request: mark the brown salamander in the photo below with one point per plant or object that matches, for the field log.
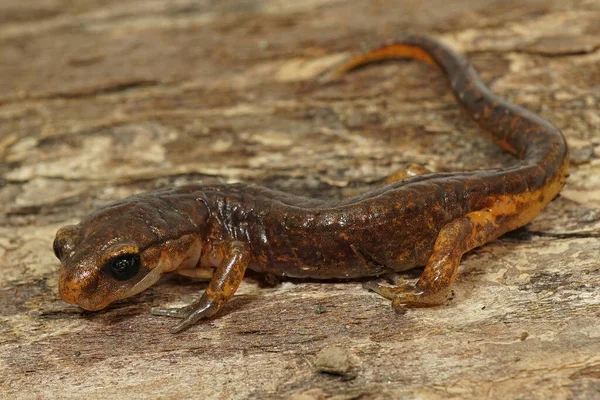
(428, 219)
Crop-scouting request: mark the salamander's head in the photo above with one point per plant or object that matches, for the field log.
(124, 248)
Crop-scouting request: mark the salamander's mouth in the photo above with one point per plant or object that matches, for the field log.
(90, 306)
(150, 279)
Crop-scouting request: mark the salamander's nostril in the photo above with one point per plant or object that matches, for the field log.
(65, 241)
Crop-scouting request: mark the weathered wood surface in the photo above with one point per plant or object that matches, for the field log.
(102, 99)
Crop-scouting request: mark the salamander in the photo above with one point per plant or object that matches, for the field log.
(417, 218)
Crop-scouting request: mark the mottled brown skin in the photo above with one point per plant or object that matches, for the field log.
(418, 218)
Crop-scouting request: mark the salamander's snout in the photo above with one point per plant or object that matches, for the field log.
(68, 291)
(73, 288)
(70, 284)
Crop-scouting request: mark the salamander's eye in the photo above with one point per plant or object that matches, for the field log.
(57, 249)
(124, 267)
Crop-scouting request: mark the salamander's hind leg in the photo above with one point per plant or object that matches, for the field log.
(434, 285)
(408, 172)
(225, 281)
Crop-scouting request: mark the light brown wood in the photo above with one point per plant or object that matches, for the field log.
(99, 100)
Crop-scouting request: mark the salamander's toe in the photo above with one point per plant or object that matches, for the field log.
(402, 301)
(405, 295)
(400, 286)
(415, 297)
(190, 314)
(171, 312)
(372, 286)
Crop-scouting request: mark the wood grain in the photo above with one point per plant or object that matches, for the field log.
(103, 99)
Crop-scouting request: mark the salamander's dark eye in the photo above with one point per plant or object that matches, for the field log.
(57, 249)
(124, 267)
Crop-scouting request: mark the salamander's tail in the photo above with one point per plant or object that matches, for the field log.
(523, 133)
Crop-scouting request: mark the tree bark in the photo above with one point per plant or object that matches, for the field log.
(103, 99)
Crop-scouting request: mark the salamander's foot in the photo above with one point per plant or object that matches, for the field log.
(405, 295)
(171, 312)
(189, 314)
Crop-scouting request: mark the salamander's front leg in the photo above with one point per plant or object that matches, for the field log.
(225, 281)
(434, 285)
